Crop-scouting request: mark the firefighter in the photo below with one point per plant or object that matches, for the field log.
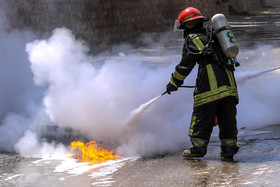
(215, 93)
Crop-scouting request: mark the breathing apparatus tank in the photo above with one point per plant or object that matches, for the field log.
(226, 38)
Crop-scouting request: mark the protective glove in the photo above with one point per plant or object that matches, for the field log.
(170, 88)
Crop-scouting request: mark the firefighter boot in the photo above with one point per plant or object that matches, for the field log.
(195, 152)
(229, 152)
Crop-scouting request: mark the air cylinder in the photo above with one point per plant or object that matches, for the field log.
(224, 35)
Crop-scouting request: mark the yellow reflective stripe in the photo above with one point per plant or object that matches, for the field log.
(222, 92)
(213, 92)
(198, 142)
(192, 124)
(228, 142)
(231, 78)
(211, 77)
(172, 82)
(178, 76)
(214, 98)
(197, 42)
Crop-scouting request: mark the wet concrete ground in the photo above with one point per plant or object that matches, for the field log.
(256, 164)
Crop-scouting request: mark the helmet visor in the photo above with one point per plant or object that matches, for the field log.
(177, 26)
(191, 24)
(202, 18)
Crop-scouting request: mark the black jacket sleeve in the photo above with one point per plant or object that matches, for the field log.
(187, 62)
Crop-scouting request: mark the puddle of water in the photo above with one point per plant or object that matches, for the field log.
(61, 171)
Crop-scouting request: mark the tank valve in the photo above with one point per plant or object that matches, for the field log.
(233, 61)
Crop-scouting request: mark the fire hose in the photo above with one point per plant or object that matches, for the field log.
(275, 69)
(216, 120)
(181, 87)
(138, 112)
(194, 86)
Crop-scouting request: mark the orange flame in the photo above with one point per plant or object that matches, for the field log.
(89, 152)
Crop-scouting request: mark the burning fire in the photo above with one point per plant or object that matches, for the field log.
(89, 152)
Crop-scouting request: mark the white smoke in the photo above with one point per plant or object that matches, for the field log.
(19, 97)
(30, 145)
(95, 95)
(98, 101)
(258, 87)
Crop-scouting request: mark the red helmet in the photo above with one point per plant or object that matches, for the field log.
(190, 14)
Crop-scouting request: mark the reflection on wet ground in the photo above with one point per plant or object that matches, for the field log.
(256, 164)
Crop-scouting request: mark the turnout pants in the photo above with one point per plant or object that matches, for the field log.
(203, 118)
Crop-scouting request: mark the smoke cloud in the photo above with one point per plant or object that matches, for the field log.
(19, 97)
(258, 87)
(55, 81)
(99, 101)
